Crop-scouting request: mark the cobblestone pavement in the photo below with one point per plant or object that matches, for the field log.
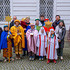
(25, 64)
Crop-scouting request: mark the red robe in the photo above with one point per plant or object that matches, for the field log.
(48, 29)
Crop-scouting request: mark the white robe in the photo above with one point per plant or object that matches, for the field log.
(41, 51)
(52, 51)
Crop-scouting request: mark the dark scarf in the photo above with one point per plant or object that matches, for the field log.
(27, 23)
(42, 22)
(5, 31)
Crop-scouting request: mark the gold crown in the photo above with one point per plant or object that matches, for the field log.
(28, 17)
(23, 19)
(48, 24)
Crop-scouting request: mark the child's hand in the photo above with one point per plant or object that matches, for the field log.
(59, 40)
(17, 31)
(68, 40)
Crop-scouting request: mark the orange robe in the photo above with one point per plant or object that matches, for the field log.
(19, 42)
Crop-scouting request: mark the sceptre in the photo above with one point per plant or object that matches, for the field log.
(8, 19)
(48, 26)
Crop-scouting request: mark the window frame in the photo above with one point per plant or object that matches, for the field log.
(11, 13)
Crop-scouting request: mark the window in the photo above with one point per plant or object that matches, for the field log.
(46, 9)
(4, 9)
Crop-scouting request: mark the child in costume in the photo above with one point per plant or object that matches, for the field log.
(0, 33)
(6, 44)
(60, 31)
(24, 25)
(31, 35)
(18, 38)
(41, 44)
(38, 24)
(52, 46)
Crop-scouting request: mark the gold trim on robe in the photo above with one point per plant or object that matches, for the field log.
(19, 42)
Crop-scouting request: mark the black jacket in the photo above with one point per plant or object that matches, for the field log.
(55, 23)
(12, 23)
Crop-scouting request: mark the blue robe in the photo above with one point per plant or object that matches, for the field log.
(3, 43)
(28, 27)
(0, 33)
(25, 49)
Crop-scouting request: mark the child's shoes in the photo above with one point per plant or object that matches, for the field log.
(5, 60)
(12, 59)
(48, 61)
(40, 59)
(30, 58)
(54, 61)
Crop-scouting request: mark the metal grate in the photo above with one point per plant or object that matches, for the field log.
(46, 9)
(4, 9)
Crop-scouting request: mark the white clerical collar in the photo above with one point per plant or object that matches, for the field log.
(17, 26)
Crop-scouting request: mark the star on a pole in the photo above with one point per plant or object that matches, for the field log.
(8, 18)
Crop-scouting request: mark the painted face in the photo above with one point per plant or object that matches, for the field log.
(42, 31)
(37, 22)
(52, 32)
(61, 24)
(32, 27)
(6, 28)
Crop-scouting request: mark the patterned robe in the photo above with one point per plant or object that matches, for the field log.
(32, 40)
(6, 45)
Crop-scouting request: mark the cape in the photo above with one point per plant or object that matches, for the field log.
(3, 43)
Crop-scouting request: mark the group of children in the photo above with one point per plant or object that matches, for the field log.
(39, 39)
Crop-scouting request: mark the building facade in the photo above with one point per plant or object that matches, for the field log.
(34, 8)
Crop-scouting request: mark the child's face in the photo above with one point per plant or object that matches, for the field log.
(6, 28)
(17, 23)
(32, 27)
(42, 18)
(61, 24)
(27, 20)
(37, 22)
(42, 31)
(52, 32)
